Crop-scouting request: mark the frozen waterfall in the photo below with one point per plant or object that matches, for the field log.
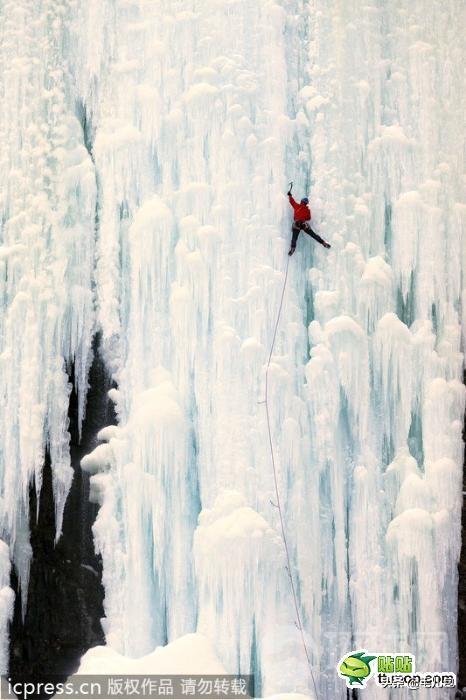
(146, 150)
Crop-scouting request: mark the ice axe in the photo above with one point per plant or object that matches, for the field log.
(290, 187)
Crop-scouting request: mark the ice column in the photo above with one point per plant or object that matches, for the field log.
(46, 262)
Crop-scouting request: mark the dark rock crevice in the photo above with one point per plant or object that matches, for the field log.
(65, 595)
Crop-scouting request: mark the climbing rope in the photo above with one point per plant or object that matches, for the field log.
(278, 504)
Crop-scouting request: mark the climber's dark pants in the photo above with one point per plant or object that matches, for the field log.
(304, 226)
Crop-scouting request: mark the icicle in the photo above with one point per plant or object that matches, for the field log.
(46, 263)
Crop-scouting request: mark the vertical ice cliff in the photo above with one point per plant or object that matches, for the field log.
(47, 205)
(196, 115)
(384, 111)
(191, 129)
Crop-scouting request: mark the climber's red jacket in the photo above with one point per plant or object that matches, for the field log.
(301, 211)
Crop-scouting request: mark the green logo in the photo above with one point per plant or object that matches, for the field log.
(355, 668)
(390, 671)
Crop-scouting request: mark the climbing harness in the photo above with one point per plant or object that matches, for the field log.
(278, 505)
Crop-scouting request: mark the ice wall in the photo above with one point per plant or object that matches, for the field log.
(195, 116)
(47, 185)
(384, 111)
(199, 116)
(191, 123)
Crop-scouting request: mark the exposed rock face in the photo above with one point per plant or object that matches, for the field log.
(65, 596)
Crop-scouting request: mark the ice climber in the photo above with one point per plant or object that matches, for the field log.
(302, 215)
